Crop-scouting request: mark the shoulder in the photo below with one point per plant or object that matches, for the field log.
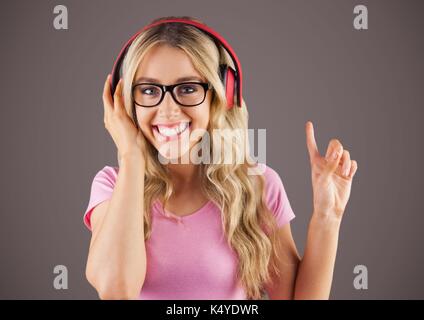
(104, 182)
(107, 175)
(101, 189)
(275, 195)
(272, 178)
(273, 181)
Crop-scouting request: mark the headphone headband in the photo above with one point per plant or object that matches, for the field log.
(238, 73)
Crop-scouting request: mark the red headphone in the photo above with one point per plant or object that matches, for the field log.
(232, 79)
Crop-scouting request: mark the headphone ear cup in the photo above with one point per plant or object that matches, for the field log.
(228, 78)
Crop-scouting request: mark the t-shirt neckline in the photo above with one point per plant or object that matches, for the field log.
(195, 213)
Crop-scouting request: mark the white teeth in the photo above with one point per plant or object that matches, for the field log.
(182, 127)
(169, 132)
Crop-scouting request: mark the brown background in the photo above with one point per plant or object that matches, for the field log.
(302, 60)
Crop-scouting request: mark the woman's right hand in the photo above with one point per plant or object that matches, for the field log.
(128, 139)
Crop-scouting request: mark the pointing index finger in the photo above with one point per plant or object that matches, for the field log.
(310, 141)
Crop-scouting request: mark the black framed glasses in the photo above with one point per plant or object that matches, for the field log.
(187, 94)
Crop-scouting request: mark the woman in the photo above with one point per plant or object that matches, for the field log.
(166, 229)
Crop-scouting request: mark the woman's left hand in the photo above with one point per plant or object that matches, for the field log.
(331, 176)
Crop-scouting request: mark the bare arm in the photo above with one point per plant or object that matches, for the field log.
(116, 264)
(282, 288)
(331, 181)
(309, 277)
(315, 273)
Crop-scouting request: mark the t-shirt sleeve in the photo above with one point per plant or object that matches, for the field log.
(276, 197)
(101, 190)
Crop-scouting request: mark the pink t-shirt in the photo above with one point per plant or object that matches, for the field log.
(188, 257)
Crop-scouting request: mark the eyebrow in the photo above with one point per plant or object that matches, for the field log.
(182, 79)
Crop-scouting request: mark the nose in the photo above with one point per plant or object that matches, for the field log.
(168, 107)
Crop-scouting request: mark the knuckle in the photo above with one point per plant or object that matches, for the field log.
(120, 105)
(118, 112)
(119, 116)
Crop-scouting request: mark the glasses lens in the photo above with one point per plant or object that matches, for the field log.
(189, 94)
(147, 94)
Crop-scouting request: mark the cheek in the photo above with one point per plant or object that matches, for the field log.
(201, 116)
(144, 118)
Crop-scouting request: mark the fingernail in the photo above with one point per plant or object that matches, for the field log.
(346, 172)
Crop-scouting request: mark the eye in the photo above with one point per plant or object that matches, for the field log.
(149, 91)
(187, 89)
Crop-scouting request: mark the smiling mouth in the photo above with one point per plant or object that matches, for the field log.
(165, 133)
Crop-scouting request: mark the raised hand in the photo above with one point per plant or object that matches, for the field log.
(128, 139)
(331, 175)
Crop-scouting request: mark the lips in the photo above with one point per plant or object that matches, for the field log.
(168, 132)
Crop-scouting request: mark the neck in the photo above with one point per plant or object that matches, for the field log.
(184, 175)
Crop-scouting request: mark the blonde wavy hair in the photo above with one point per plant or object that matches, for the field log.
(248, 224)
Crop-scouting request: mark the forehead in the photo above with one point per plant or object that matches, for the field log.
(166, 64)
